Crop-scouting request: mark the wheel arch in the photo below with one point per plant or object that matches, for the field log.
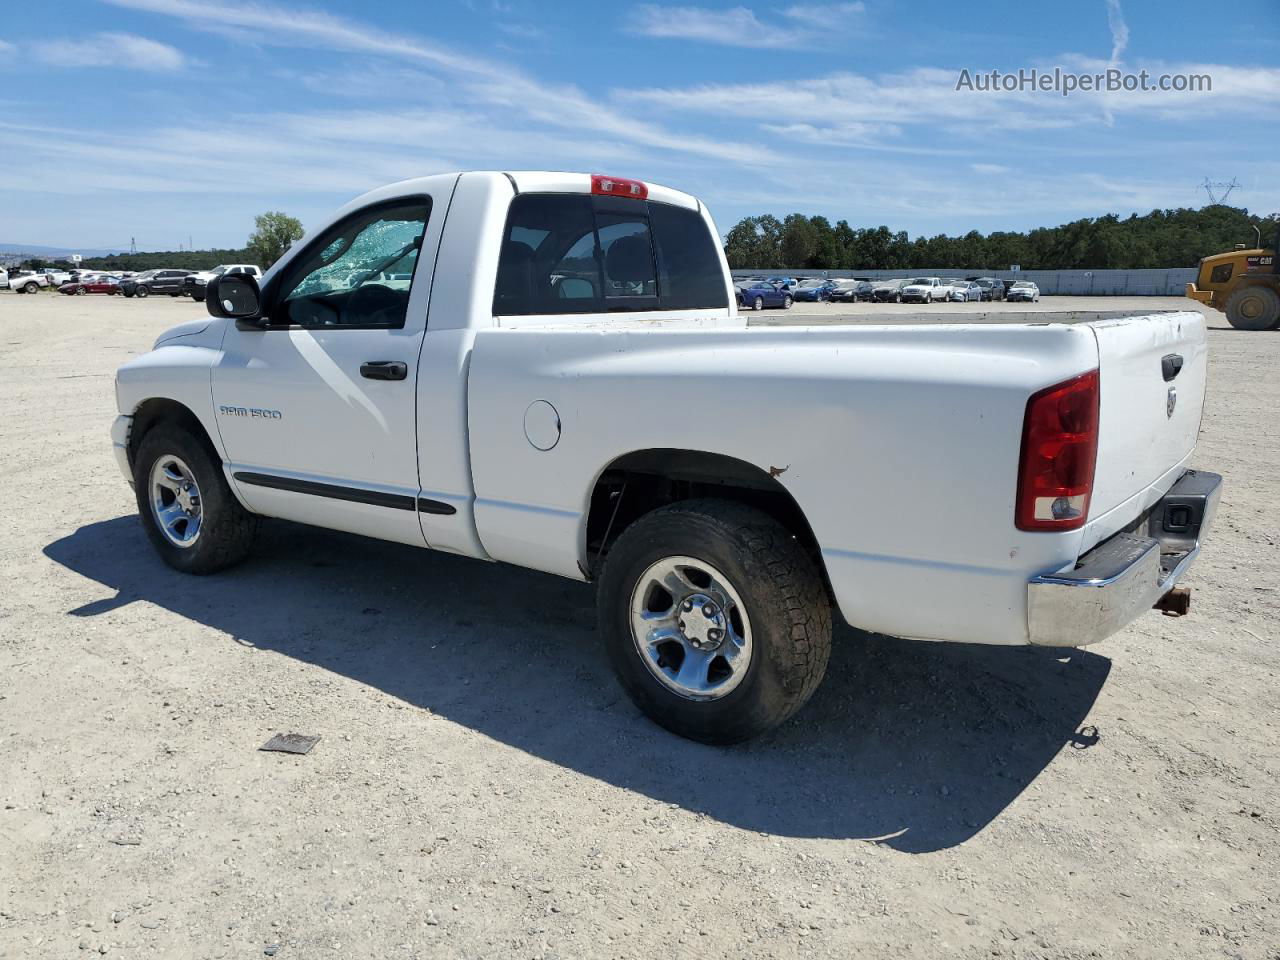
(638, 482)
(153, 412)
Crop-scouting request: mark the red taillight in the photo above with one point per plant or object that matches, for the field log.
(618, 187)
(1059, 452)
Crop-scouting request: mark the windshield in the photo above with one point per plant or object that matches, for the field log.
(812, 283)
(921, 281)
(218, 271)
(1024, 284)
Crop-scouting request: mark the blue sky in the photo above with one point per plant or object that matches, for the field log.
(164, 119)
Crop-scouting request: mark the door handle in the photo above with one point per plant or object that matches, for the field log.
(384, 370)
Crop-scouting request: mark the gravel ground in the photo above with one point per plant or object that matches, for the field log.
(482, 788)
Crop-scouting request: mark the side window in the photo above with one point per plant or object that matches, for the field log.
(573, 253)
(548, 262)
(689, 271)
(626, 255)
(358, 273)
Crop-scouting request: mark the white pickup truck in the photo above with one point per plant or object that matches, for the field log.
(565, 384)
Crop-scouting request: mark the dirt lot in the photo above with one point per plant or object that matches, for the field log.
(482, 789)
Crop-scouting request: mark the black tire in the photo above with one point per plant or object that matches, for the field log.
(141, 291)
(81, 291)
(787, 303)
(227, 531)
(31, 288)
(1255, 307)
(785, 600)
(198, 297)
(757, 303)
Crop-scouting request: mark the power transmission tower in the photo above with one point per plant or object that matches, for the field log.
(133, 245)
(1210, 187)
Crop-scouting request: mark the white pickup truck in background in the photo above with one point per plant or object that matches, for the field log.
(565, 384)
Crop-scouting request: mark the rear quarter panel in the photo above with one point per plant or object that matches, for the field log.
(899, 443)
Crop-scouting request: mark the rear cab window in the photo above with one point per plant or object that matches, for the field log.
(585, 254)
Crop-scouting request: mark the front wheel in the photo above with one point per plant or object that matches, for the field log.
(1253, 308)
(716, 621)
(757, 303)
(187, 508)
(787, 302)
(141, 291)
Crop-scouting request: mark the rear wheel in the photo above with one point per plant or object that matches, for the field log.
(142, 291)
(1254, 307)
(187, 509)
(715, 619)
(198, 297)
(31, 287)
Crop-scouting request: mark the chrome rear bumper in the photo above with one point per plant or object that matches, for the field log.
(1124, 576)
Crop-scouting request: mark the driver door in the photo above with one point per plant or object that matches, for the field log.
(317, 410)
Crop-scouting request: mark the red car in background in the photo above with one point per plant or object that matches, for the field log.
(107, 285)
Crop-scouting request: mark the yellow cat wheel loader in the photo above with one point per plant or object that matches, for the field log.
(1243, 284)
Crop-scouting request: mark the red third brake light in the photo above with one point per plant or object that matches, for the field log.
(618, 187)
(1059, 453)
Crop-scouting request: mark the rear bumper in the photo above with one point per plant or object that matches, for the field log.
(1124, 576)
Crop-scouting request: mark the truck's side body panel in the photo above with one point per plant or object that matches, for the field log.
(900, 444)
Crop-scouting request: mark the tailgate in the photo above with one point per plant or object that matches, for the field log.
(1152, 372)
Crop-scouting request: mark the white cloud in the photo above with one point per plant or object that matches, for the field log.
(739, 26)
(7, 48)
(844, 108)
(484, 81)
(110, 50)
(1119, 30)
(991, 168)
(824, 11)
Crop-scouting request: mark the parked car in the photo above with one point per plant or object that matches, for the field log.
(813, 291)
(851, 291)
(154, 281)
(758, 294)
(886, 291)
(981, 467)
(193, 284)
(29, 281)
(1023, 291)
(992, 289)
(963, 291)
(922, 290)
(99, 284)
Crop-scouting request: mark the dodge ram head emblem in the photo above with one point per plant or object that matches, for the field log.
(1170, 402)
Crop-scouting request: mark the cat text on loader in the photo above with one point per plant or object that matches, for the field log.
(1244, 284)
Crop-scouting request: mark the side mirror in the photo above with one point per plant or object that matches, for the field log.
(235, 296)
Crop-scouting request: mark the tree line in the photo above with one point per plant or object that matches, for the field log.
(272, 235)
(1161, 238)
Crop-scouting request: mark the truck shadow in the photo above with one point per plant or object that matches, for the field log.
(914, 744)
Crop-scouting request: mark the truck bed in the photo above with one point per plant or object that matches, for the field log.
(887, 316)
